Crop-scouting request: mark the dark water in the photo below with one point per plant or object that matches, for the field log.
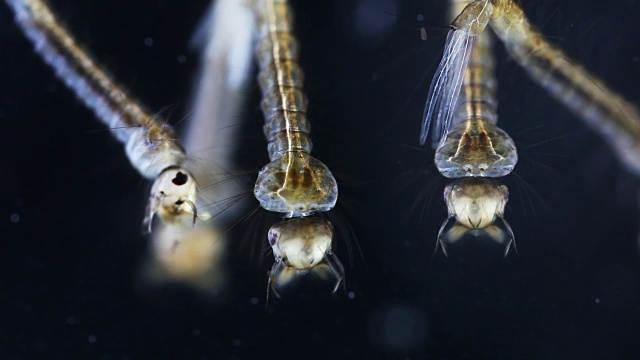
(72, 206)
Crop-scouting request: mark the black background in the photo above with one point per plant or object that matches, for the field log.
(69, 265)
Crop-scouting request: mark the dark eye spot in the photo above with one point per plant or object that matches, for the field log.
(180, 179)
(273, 237)
(179, 202)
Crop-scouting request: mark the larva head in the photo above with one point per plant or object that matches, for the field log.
(476, 148)
(296, 184)
(173, 197)
(303, 258)
(476, 202)
(301, 243)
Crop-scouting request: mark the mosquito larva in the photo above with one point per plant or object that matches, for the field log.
(150, 144)
(470, 146)
(294, 183)
(613, 117)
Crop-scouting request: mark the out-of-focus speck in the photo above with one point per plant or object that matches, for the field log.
(420, 17)
(636, 59)
(92, 339)
(148, 41)
(237, 342)
(182, 59)
(423, 34)
(196, 332)
(27, 308)
(254, 301)
(351, 295)
(406, 243)
(399, 327)
(71, 320)
(373, 19)
(617, 284)
(51, 88)
(39, 345)
(15, 218)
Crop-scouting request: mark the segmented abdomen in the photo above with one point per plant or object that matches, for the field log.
(477, 97)
(281, 79)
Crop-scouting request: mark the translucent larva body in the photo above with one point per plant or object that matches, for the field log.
(294, 183)
(469, 145)
(150, 144)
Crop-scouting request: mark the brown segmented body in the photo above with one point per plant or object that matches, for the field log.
(475, 145)
(293, 182)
